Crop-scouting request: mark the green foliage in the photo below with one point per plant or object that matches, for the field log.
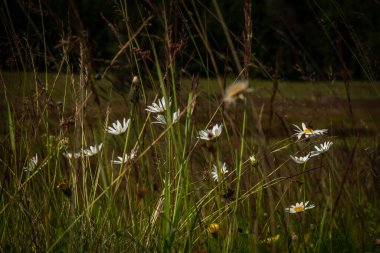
(164, 187)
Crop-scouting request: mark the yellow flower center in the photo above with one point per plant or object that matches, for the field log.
(213, 228)
(299, 209)
(271, 239)
(308, 130)
(211, 137)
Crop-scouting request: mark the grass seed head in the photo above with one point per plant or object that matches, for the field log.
(235, 91)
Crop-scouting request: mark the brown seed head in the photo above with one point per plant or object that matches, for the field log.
(235, 91)
(135, 80)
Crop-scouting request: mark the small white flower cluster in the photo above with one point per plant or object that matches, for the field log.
(117, 128)
(308, 132)
(70, 155)
(126, 158)
(322, 148)
(210, 134)
(92, 150)
(162, 106)
(160, 119)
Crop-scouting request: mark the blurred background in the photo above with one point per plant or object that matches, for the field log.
(309, 40)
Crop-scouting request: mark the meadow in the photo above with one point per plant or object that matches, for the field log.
(172, 144)
(166, 196)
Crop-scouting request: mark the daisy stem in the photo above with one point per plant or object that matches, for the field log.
(167, 199)
(302, 232)
(123, 155)
(220, 180)
(331, 207)
(303, 183)
(240, 158)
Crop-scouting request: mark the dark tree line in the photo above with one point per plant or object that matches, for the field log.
(307, 40)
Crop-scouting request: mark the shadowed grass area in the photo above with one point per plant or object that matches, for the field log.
(108, 206)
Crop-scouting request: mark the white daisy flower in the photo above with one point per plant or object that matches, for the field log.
(299, 207)
(160, 119)
(161, 106)
(215, 171)
(118, 128)
(69, 155)
(308, 132)
(301, 159)
(32, 163)
(210, 134)
(324, 147)
(126, 158)
(93, 150)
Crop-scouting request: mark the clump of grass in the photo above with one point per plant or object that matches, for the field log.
(95, 172)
